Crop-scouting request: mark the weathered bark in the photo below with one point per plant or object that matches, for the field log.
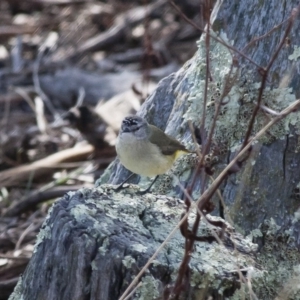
(94, 243)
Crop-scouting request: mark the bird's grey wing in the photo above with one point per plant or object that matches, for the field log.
(167, 144)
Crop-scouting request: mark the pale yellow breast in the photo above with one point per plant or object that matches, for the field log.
(141, 157)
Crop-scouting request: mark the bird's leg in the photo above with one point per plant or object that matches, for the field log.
(148, 189)
(120, 186)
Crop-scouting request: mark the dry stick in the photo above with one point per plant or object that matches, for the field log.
(186, 258)
(229, 220)
(266, 72)
(251, 293)
(6, 113)
(31, 227)
(268, 110)
(139, 275)
(216, 115)
(295, 11)
(132, 292)
(204, 198)
(255, 40)
(207, 143)
(37, 197)
(195, 206)
(213, 37)
(198, 211)
(37, 85)
(121, 24)
(221, 42)
(189, 243)
(214, 186)
(207, 75)
(25, 96)
(209, 192)
(239, 271)
(14, 257)
(16, 30)
(15, 175)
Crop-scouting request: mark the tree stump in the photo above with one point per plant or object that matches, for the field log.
(95, 242)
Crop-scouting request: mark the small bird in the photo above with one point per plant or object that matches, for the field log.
(146, 150)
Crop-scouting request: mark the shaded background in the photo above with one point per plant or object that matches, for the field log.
(58, 60)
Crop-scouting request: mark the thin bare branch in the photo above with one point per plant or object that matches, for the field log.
(210, 191)
(257, 39)
(218, 39)
(265, 73)
(146, 266)
(269, 110)
(215, 185)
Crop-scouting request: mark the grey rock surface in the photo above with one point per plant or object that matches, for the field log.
(94, 242)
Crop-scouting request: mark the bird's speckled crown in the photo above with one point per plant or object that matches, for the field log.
(132, 123)
(132, 120)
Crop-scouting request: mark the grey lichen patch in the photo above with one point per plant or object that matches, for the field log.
(239, 97)
(149, 289)
(127, 195)
(228, 260)
(182, 166)
(296, 217)
(220, 66)
(280, 261)
(84, 214)
(45, 232)
(296, 54)
(161, 216)
(17, 293)
(82, 210)
(124, 206)
(290, 289)
(256, 233)
(139, 248)
(139, 224)
(164, 184)
(180, 172)
(213, 259)
(94, 266)
(214, 266)
(104, 247)
(128, 261)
